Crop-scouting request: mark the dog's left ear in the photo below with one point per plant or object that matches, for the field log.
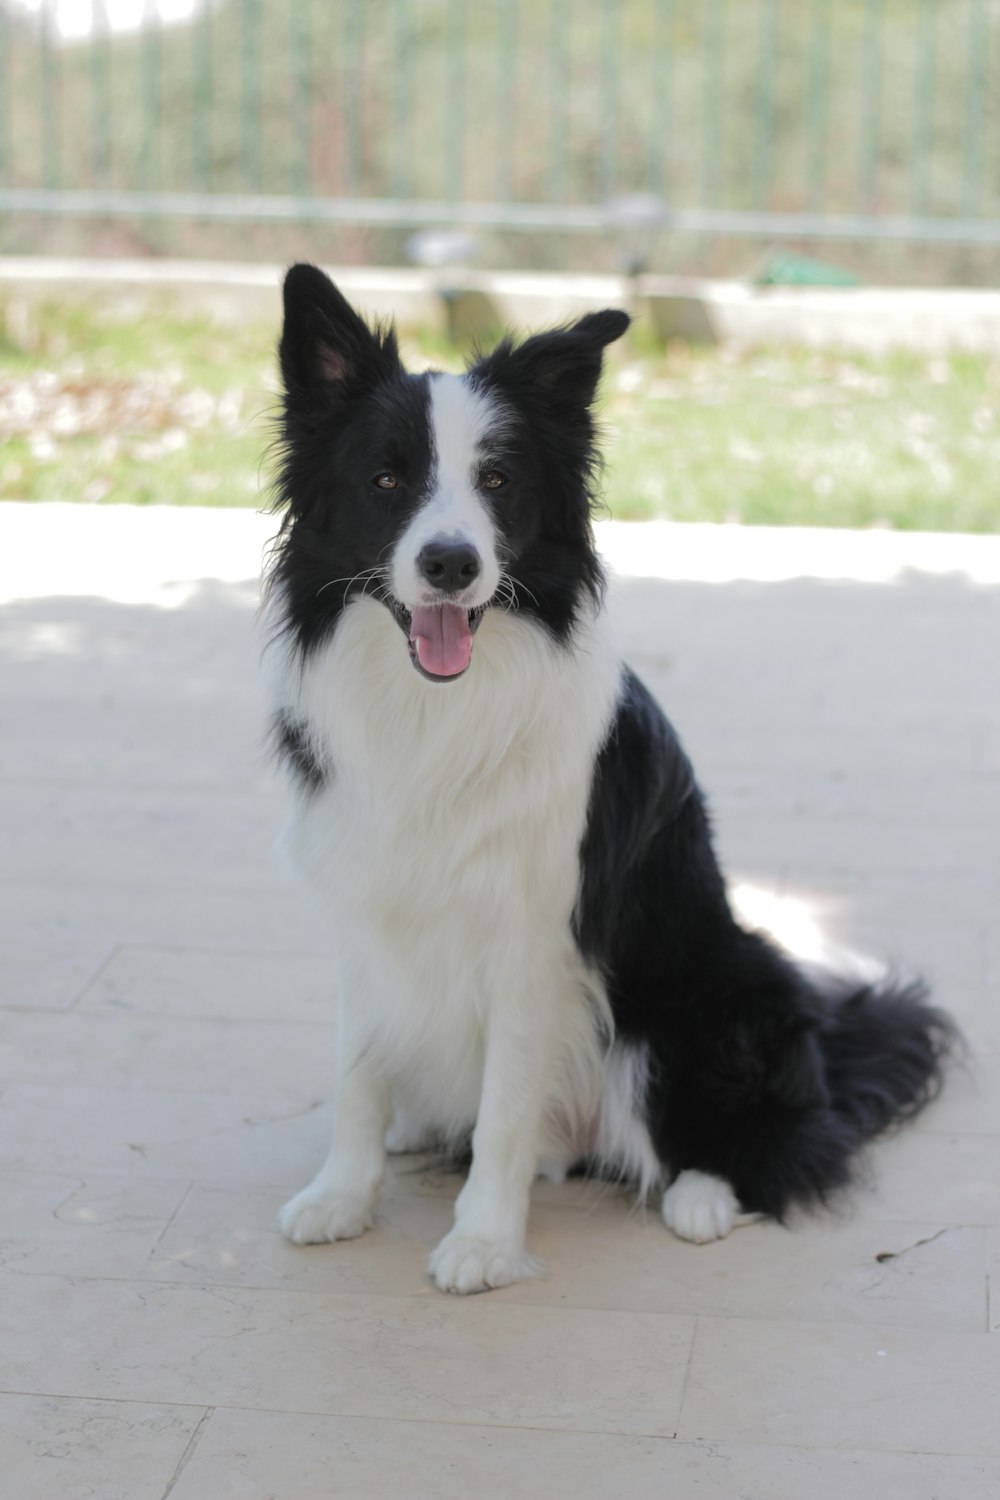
(563, 365)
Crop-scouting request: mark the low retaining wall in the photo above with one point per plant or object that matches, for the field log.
(475, 303)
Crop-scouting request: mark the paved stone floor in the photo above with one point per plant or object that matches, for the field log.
(165, 1030)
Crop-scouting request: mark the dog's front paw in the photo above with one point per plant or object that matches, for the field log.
(700, 1207)
(465, 1263)
(319, 1214)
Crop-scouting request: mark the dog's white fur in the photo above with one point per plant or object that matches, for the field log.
(461, 421)
(453, 820)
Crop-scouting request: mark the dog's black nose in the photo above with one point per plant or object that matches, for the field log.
(449, 565)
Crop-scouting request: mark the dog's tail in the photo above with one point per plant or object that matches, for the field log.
(885, 1049)
(841, 1060)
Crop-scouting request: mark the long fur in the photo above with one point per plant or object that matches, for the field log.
(531, 935)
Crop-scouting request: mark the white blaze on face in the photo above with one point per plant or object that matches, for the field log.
(461, 420)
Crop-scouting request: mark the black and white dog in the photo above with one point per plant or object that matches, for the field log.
(534, 949)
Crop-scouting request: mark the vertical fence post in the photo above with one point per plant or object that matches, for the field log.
(712, 102)
(150, 84)
(559, 93)
(972, 133)
(661, 58)
(871, 120)
(49, 101)
(610, 120)
(298, 46)
(507, 27)
(402, 96)
(352, 75)
(817, 91)
(5, 76)
(923, 104)
(100, 90)
(453, 98)
(250, 93)
(201, 104)
(767, 58)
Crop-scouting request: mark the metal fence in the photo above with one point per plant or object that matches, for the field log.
(796, 118)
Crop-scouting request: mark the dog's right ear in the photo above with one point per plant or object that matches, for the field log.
(326, 349)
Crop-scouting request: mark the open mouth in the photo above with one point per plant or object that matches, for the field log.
(440, 637)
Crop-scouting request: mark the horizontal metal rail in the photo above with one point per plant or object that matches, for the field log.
(524, 217)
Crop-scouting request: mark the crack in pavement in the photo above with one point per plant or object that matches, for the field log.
(885, 1255)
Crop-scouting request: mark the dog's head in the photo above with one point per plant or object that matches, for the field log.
(440, 496)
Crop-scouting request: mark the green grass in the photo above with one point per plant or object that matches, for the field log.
(789, 437)
(159, 408)
(171, 409)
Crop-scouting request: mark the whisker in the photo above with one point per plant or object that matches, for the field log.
(505, 589)
(524, 588)
(364, 573)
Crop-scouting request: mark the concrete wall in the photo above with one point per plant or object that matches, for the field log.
(470, 303)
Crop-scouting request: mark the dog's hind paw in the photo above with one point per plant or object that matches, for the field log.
(700, 1207)
(465, 1263)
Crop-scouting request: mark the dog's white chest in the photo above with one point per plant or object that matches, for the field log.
(445, 847)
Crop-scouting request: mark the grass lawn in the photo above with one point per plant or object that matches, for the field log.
(167, 409)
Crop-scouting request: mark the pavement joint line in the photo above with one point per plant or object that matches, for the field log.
(92, 979)
(189, 1451)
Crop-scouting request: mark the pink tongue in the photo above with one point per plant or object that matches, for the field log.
(442, 638)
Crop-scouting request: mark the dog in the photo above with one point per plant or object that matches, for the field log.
(535, 956)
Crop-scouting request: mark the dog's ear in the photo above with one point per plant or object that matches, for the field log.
(563, 365)
(326, 349)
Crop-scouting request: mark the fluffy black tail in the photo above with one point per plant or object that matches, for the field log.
(884, 1048)
(843, 1064)
(778, 1086)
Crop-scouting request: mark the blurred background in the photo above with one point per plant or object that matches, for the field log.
(800, 150)
(556, 129)
(800, 202)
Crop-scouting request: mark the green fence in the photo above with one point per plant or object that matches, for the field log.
(796, 118)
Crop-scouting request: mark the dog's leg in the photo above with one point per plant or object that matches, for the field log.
(339, 1203)
(486, 1246)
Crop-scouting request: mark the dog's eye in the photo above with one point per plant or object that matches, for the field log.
(492, 479)
(386, 480)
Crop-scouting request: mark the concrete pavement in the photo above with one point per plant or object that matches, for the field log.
(164, 1028)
